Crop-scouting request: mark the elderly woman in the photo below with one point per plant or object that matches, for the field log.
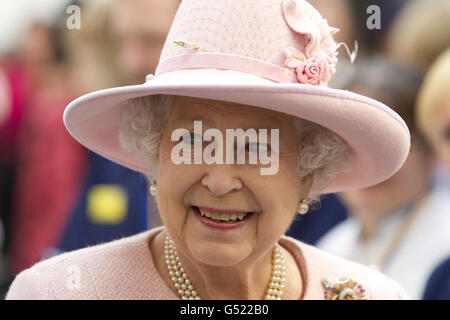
(255, 72)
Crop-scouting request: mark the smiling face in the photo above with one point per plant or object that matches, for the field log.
(194, 198)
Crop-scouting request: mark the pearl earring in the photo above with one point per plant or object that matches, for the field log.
(153, 188)
(303, 207)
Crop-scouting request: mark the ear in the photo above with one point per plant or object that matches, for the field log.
(307, 183)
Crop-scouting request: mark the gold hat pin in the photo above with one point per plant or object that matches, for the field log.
(186, 44)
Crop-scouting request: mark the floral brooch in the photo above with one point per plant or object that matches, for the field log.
(315, 70)
(343, 288)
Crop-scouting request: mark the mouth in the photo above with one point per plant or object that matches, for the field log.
(222, 219)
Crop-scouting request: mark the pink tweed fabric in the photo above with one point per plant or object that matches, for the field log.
(124, 270)
(261, 30)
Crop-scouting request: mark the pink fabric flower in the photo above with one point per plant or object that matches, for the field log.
(316, 70)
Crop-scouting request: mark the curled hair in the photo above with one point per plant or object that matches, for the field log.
(321, 153)
(141, 125)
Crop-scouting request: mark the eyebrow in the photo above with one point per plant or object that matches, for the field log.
(190, 120)
(207, 124)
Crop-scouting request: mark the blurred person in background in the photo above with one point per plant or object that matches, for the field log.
(19, 74)
(139, 29)
(433, 108)
(24, 73)
(433, 118)
(5, 110)
(49, 163)
(400, 225)
(419, 36)
(119, 43)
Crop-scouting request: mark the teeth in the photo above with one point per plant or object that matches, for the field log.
(223, 216)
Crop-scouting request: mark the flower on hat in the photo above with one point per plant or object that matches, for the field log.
(317, 63)
(316, 70)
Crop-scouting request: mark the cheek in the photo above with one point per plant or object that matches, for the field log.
(287, 178)
(173, 181)
(165, 150)
(279, 195)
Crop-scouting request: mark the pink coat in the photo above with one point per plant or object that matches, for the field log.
(124, 269)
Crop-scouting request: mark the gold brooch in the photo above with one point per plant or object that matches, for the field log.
(343, 288)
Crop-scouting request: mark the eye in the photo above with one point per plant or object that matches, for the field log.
(191, 137)
(255, 147)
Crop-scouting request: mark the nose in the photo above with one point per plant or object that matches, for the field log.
(221, 180)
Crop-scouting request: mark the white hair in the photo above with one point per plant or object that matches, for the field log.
(321, 153)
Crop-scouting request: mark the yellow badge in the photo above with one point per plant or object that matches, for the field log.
(107, 204)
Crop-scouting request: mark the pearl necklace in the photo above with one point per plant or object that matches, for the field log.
(186, 289)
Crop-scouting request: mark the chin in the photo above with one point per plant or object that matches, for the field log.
(218, 254)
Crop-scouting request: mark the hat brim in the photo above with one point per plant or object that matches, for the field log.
(378, 136)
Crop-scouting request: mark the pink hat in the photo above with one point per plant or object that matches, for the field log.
(274, 54)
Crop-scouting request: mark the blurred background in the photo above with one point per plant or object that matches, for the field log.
(56, 196)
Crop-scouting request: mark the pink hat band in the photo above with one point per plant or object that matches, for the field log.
(224, 61)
